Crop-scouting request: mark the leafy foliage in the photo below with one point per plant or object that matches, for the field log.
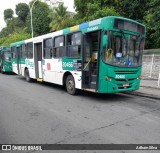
(16, 36)
(4, 32)
(60, 18)
(152, 20)
(8, 14)
(40, 19)
(92, 9)
(22, 10)
(95, 10)
(13, 25)
(146, 12)
(133, 9)
(45, 19)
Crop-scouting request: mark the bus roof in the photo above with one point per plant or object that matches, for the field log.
(17, 43)
(74, 28)
(4, 48)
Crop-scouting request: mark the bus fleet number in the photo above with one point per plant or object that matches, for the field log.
(67, 64)
(120, 76)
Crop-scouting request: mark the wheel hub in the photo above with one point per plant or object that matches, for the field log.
(70, 85)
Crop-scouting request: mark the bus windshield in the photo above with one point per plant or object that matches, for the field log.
(123, 49)
(7, 56)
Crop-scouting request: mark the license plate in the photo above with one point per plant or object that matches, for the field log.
(125, 85)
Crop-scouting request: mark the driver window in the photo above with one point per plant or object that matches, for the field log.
(109, 53)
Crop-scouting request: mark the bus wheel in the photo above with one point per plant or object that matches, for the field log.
(27, 75)
(2, 70)
(70, 85)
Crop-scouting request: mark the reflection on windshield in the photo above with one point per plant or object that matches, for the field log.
(7, 56)
(124, 49)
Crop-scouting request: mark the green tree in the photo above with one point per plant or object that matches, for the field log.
(8, 14)
(4, 32)
(81, 7)
(14, 37)
(97, 10)
(92, 9)
(133, 9)
(40, 19)
(152, 20)
(60, 18)
(14, 25)
(22, 10)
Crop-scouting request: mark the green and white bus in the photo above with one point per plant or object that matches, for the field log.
(5, 59)
(103, 56)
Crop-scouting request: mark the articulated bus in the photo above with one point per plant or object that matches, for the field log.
(103, 56)
(5, 59)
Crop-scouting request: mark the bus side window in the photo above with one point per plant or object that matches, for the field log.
(47, 50)
(26, 51)
(13, 49)
(23, 51)
(30, 50)
(74, 45)
(59, 47)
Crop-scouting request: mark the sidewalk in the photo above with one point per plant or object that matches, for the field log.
(149, 88)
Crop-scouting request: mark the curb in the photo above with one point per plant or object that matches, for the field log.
(143, 94)
(150, 87)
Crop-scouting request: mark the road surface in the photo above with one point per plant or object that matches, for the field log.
(40, 113)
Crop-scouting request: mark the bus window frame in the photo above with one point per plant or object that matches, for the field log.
(116, 26)
(23, 51)
(81, 45)
(64, 46)
(44, 48)
(27, 50)
(14, 52)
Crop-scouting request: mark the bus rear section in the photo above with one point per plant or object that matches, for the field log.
(5, 59)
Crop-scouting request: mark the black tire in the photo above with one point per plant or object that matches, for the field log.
(2, 71)
(70, 85)
(27, 76)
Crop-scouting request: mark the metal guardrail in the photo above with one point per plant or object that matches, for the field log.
(151, 67)
(159, 80)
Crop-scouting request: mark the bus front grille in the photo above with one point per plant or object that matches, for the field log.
(125, 72)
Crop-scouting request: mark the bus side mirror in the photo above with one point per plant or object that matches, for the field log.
(105, 39)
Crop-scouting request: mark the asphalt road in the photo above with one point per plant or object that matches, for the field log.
(40, 113)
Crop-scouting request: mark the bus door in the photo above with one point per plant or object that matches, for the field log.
(91, 51)
(18, 60)
(38, 59)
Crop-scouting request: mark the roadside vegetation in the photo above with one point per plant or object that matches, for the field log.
(51, 19)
